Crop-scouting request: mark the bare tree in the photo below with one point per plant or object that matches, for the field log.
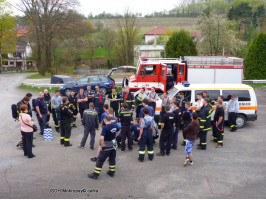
(127, 37)
(48, 18)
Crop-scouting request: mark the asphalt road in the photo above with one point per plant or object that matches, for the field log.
(235, 171)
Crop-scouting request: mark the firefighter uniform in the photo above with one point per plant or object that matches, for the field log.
(98, 103)
(109, 133)
(66, 117)
(55, 101)
(129, 99)
(165, 102)
(90, 122)
(114, 104)
(89, 92)
(82, 105)
(74, 107)
(218, 130)
(139, 105)
(126, 119)
(146, 138)
(47, 99)
(205, 125)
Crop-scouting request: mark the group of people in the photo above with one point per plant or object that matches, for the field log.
(118, 125)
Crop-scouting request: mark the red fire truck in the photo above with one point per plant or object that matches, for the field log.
(156, 72)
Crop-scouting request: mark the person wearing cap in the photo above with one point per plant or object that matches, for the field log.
(108, 149)
(99, 100)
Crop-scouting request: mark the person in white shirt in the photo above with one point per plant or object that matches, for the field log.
(199, 103)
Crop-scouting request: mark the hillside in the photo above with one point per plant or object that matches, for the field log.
(146, 24)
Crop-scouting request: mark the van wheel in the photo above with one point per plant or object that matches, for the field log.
(125, 82)
(240, 120)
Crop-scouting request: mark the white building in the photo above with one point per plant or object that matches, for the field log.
(151, 51)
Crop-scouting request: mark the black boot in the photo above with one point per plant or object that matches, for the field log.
(67, 144)
(110, 173)
(62, 141)
(93, 176)
(57, 130)
(184, 143)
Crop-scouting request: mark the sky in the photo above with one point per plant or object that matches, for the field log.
(117, 6)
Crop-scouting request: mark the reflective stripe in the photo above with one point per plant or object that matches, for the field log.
(159, 123)
(62, 138)
(141, 152)
(97, 168)
(97, 172)
(185, 140)
(220, 141)
(206, 129)
(56, 126)
(203, 120)
(231, 126)
(204, 143)
(201, 126)
(112, 170)
(209, 116)
(67, 139)
(222, 133)
(111, 166)
(150, 152)
(215, 138)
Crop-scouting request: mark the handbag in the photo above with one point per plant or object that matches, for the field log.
(34, 127)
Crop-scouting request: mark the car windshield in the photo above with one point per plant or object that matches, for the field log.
(172, 92)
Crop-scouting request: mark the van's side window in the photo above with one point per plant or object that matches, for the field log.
(243, 95)
(213, 94)
(187, 95)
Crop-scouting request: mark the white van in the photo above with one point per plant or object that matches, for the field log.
(246, 98)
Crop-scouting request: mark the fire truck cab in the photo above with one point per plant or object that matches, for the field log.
(164, 73)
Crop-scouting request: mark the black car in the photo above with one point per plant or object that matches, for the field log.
(104, 82)
(61, 79)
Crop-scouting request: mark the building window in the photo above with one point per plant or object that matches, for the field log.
(17, 54)
(11, 63)
(4, 63)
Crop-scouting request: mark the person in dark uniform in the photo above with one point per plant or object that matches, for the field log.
(165, 102)
(170, 81)
(41, 112)
(91, 124)
(168, 122)
(218, 125)
(73, 101)
(135, 128)
(122, 95)
(205, 95)
(129, 99)
(90, 94)
(178, 114)
(47, 99)
(147, 125)
(82, 100)
(66, 118)
(114, 99)
(139, 98)
(126, 119)
(24, 101)
(99, 100)
(29, 95)
(108, 145)
(186, 119)
(205, 123)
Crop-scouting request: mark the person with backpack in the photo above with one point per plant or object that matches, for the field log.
(26, 124)
(41, 111)
(147, 125)
(55, 102)
(24, 101)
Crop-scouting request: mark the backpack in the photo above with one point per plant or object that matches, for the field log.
(33, 104)
(58, 112)
(14, 110)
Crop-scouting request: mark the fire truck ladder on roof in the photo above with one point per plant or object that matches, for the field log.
(213, 60)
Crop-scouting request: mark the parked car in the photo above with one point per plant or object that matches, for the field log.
(61, 79)
(104, 82)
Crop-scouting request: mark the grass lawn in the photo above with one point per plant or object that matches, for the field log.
(257, 85)
(39, 76)
(36, 89)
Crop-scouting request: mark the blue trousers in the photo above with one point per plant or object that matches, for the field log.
(175, 140)
(42, 121)
(146, 140)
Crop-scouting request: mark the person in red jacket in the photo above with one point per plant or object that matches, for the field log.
(192, 131)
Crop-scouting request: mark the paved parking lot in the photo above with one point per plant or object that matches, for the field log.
(235, 171)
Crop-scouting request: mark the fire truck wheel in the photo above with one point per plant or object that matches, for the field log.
(125, 82)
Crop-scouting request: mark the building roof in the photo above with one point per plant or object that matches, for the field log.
(157, 31)
(151, 47)
(22, 30)
(195, 35)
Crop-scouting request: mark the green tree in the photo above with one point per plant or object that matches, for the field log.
(180, 44)
(255, 62)
(8, 34)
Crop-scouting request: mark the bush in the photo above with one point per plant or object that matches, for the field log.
(255, 63)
